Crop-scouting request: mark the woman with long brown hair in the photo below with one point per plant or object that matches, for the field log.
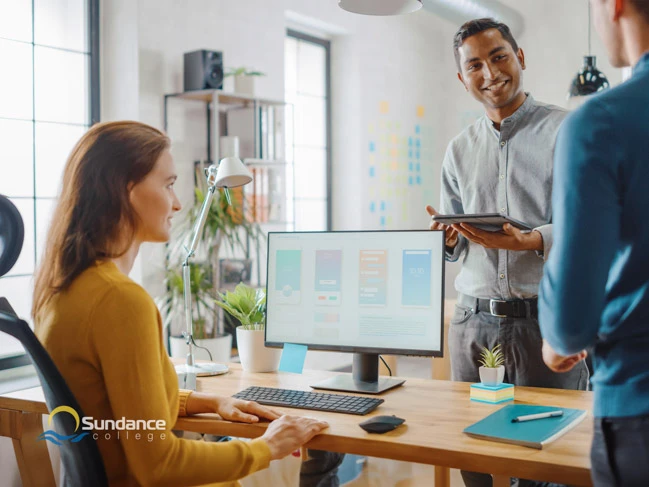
(104, 332)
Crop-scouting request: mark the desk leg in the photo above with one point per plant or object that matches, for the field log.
(32, 456)
(501, 481)
(443, 476)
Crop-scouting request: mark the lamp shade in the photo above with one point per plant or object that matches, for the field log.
(380, 7)
(589, 79)
(232, 173)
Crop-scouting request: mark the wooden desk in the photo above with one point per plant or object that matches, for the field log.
(436, 412)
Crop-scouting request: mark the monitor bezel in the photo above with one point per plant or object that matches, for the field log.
(352, 349)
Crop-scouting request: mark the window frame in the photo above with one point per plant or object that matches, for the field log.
(326, 44)
(22, 359)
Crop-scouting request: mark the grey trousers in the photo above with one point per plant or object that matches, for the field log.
(521, 343)
(620, 452)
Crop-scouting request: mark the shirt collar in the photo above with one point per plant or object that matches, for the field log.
(642, 64)
(517, 115)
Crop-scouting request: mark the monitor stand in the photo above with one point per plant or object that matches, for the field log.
(365, 377)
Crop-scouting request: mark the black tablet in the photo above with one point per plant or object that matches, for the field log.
(491, 222)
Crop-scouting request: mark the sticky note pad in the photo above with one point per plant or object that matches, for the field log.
(293, 358)
(492, 394)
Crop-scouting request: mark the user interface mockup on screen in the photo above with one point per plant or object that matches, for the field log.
(356, 289)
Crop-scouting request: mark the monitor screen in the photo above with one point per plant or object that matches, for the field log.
(366, 292)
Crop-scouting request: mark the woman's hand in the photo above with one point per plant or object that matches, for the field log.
(229, 408)
(289, 433)
(243, 411)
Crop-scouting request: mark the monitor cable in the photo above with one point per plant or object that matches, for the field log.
(386, 365)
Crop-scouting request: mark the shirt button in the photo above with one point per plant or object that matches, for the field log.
(502, 176)
(502, 144)
(503, 210)
(502, 276)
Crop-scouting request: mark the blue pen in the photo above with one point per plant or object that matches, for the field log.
(532, 417)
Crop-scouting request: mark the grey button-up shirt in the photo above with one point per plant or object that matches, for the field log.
(507, 171)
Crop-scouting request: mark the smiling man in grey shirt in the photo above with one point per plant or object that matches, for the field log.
(500, 164)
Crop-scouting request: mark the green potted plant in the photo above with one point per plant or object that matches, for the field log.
(244, 79)
(248, 305)
(226, 226)
(492, 369)
(171, 305)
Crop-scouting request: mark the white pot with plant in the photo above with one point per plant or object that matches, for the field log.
(492, 370)
(244, 80)
(248, 305)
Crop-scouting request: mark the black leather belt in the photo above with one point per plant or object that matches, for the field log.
(520, 308)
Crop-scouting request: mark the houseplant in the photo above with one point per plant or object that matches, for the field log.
(248, 305)
(171, 307)
(226, 226)
(244, 80)
(492, 369)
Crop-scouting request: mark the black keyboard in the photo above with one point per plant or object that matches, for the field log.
(332, 403)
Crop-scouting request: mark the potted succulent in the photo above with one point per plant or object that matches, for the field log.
(244, 80)
(248, 305)
(492, 369)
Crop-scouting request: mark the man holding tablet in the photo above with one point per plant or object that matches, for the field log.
(500, 164)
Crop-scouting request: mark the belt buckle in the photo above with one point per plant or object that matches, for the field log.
(491, 307)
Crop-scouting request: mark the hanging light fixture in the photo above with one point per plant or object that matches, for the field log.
(589, 79)
(380, 7)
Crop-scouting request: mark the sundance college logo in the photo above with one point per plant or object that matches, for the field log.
(104, 429)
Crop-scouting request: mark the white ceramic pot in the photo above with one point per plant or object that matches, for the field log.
(492, 376)
(220, 347)
(255, 357)
(244, 85)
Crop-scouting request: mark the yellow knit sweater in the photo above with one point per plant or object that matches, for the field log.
(105, 335)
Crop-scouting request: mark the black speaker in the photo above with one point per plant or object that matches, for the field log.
(203, 70)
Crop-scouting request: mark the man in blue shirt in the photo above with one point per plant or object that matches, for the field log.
(595, 290)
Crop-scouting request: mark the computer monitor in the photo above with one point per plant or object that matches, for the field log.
(370, 293)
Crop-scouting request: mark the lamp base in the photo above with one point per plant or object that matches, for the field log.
(187, 374)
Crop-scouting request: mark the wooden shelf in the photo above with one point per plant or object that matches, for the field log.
(224, 98)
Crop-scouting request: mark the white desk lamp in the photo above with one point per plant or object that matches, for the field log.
(230, 173)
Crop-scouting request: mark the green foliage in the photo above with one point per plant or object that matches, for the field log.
(246, 304)
(243, 71)
(493, 358)
(171, 303)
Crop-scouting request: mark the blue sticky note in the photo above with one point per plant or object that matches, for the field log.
(371, 171)
(372, 147)
(417, 129)
(382, 205)
(372, 207)
(293, 358)
(382, 221)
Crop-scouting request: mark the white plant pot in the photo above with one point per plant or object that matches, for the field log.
(492, 376)
(255, 357)
(220, 347)
(244, 85)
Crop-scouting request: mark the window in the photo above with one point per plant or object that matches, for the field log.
(49, 96)
(307, 87)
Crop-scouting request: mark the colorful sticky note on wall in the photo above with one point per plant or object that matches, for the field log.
(372, 207)
(420, 111)
(372, 147)
(384, 107)
(372, 171)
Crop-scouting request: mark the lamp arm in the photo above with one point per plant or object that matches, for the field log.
(210, 172)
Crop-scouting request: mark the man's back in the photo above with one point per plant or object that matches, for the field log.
(597, 284)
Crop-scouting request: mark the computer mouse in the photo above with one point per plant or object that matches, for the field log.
(381, 424)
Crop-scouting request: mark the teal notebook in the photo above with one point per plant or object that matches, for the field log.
(534, 434)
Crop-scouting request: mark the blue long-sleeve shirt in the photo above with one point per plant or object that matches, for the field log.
(595, 288)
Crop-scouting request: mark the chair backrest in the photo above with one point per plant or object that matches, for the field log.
(81, 459)
(82, 462)
(12, 233)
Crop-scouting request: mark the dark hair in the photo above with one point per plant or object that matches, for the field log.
(94, 207)
(473, 27)
(642, 6)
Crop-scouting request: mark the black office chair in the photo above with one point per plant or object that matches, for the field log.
(82, 461)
